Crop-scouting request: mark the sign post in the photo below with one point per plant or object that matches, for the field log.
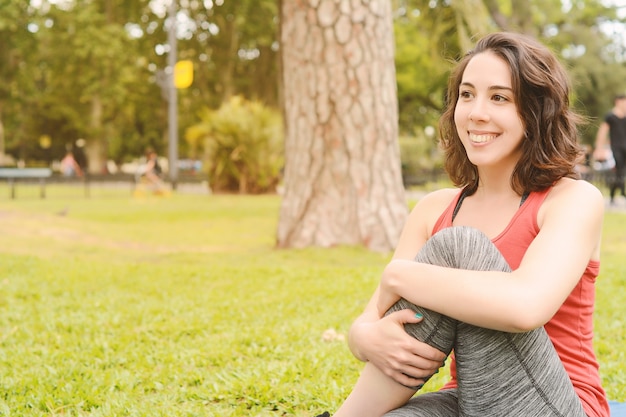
(173, 98)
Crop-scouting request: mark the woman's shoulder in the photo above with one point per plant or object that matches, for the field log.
(442, 196)
(569, 194)
(422, 220)
(433, 204)
(568, 188)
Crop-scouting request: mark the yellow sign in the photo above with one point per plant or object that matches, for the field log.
(183, 74)
(45, 141)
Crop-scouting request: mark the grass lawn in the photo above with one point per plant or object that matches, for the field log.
(181, 306)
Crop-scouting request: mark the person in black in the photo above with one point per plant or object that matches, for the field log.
(80, 156)
(613, 131)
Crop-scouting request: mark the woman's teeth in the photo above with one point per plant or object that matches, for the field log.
(481, 138)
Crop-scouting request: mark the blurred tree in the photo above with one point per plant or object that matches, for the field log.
(140, 120)
(342, 181)
(234, 49)
(87, 78)
(78, 83)
(91, 69)
(17, 47)
(425, 45)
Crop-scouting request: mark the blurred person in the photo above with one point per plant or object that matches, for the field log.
(611, 143)
(80, 156)
(69, 166)
(152, 172)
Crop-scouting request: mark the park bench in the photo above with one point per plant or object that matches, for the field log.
(13, 174)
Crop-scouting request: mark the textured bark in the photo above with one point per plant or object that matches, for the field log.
(343, 183)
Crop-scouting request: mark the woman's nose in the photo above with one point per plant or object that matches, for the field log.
(479, 111)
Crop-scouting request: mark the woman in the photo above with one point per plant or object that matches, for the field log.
(506, 263)
(152, 171)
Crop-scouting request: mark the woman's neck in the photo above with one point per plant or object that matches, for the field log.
(496, 182)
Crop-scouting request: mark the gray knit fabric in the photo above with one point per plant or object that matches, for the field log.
(499, 374)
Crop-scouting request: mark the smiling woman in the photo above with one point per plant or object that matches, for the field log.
(486, 115)
(501, 273)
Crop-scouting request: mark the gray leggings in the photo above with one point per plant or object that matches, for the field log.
(498, 373)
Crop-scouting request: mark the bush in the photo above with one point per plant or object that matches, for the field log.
(421, 159)
(243, 143)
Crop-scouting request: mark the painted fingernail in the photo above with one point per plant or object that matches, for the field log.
(418, 315)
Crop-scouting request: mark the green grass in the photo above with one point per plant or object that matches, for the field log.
(181, 306)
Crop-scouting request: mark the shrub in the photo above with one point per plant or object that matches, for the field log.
(421, 159)
(243, 143)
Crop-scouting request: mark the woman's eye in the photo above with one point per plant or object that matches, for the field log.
(465, 94)
(498, 97)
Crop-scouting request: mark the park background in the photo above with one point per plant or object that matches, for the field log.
(97, 70)
(116, 302)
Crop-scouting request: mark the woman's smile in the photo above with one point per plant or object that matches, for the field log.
(481, 137)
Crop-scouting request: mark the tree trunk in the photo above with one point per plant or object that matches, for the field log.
(95, 148)
(2, 143)
(343, 183)
(228, 72)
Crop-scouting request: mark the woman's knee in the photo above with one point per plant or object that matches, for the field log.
(456, 247)
(462, 247)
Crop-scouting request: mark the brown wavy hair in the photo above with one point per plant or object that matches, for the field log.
(550, 149)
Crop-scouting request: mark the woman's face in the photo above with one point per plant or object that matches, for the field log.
(486, 115)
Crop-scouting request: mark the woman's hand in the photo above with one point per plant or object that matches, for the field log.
(387, 346)
(601, 154)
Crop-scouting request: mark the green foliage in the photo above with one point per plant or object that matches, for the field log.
(422, 65)
(243, 143)
(420, 157)
(121, 307)
(91, 68)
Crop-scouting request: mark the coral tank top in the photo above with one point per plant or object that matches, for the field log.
(571, 328)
